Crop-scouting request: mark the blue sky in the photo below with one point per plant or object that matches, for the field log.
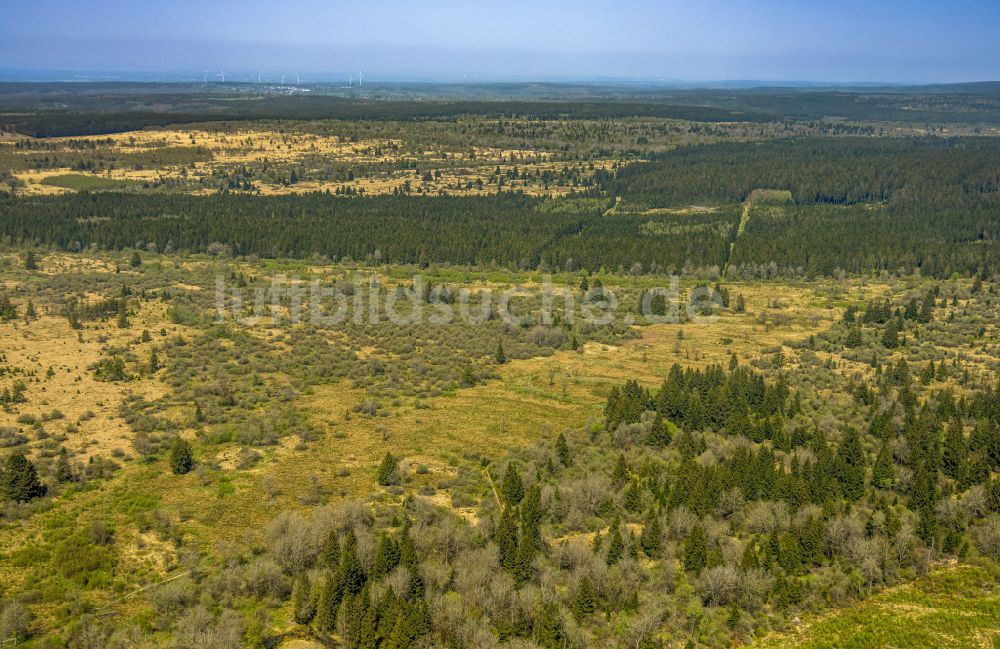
(705, 40)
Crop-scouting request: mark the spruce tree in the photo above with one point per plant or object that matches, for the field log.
(386, 557)
(302, 603)
(329, 601)
(501, 357)
(616, 545)
(584, 603)
(64, 472)
(522, 567)
(749, 560)
(181, 460)
(512, 488)
(890, 337)
(548, 629)
(19, 481)
(506, 538)
(696, 550)
(123, 314)
(352, 572)
(562, 450)
(884, 473)
(386, 473)
(735, 614)
(954, 450)
(660, 434)
(330, 554)
(633, 497)
(850, 465)
(651, 537)
(621, 472)
(854, 337)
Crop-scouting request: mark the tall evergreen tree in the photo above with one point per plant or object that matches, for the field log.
(506, 538)
(181, 459)
(616, 545)
(512, 487)
(884, 473)
(386, 473)
(585, 602)
(954, 450)
(696, 550)
(303, 608)
(850, 465)
(330, 598)
(562, 450)
(19, 481)
(351, 571)
(651, 537)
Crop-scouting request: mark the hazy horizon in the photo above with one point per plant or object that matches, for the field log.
(681, 41)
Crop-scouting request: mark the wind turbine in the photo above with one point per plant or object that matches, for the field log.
(360, 76)
(282, 78)
(206, 76)
(223, 75)
(259, 77)
(297, 79)
(350, 80)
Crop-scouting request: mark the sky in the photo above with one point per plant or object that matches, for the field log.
(913, 41)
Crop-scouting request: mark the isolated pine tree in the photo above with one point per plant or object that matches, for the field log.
(123, 314)
(64, 472)
(181, 460)
(19, 481)
(386, 473)
(501, 357)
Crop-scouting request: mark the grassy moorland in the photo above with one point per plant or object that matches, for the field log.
(499, 380)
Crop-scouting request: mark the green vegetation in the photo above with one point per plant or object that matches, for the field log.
(810, 457)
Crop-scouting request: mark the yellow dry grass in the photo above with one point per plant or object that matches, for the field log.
(49, 342)
(222, 151)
